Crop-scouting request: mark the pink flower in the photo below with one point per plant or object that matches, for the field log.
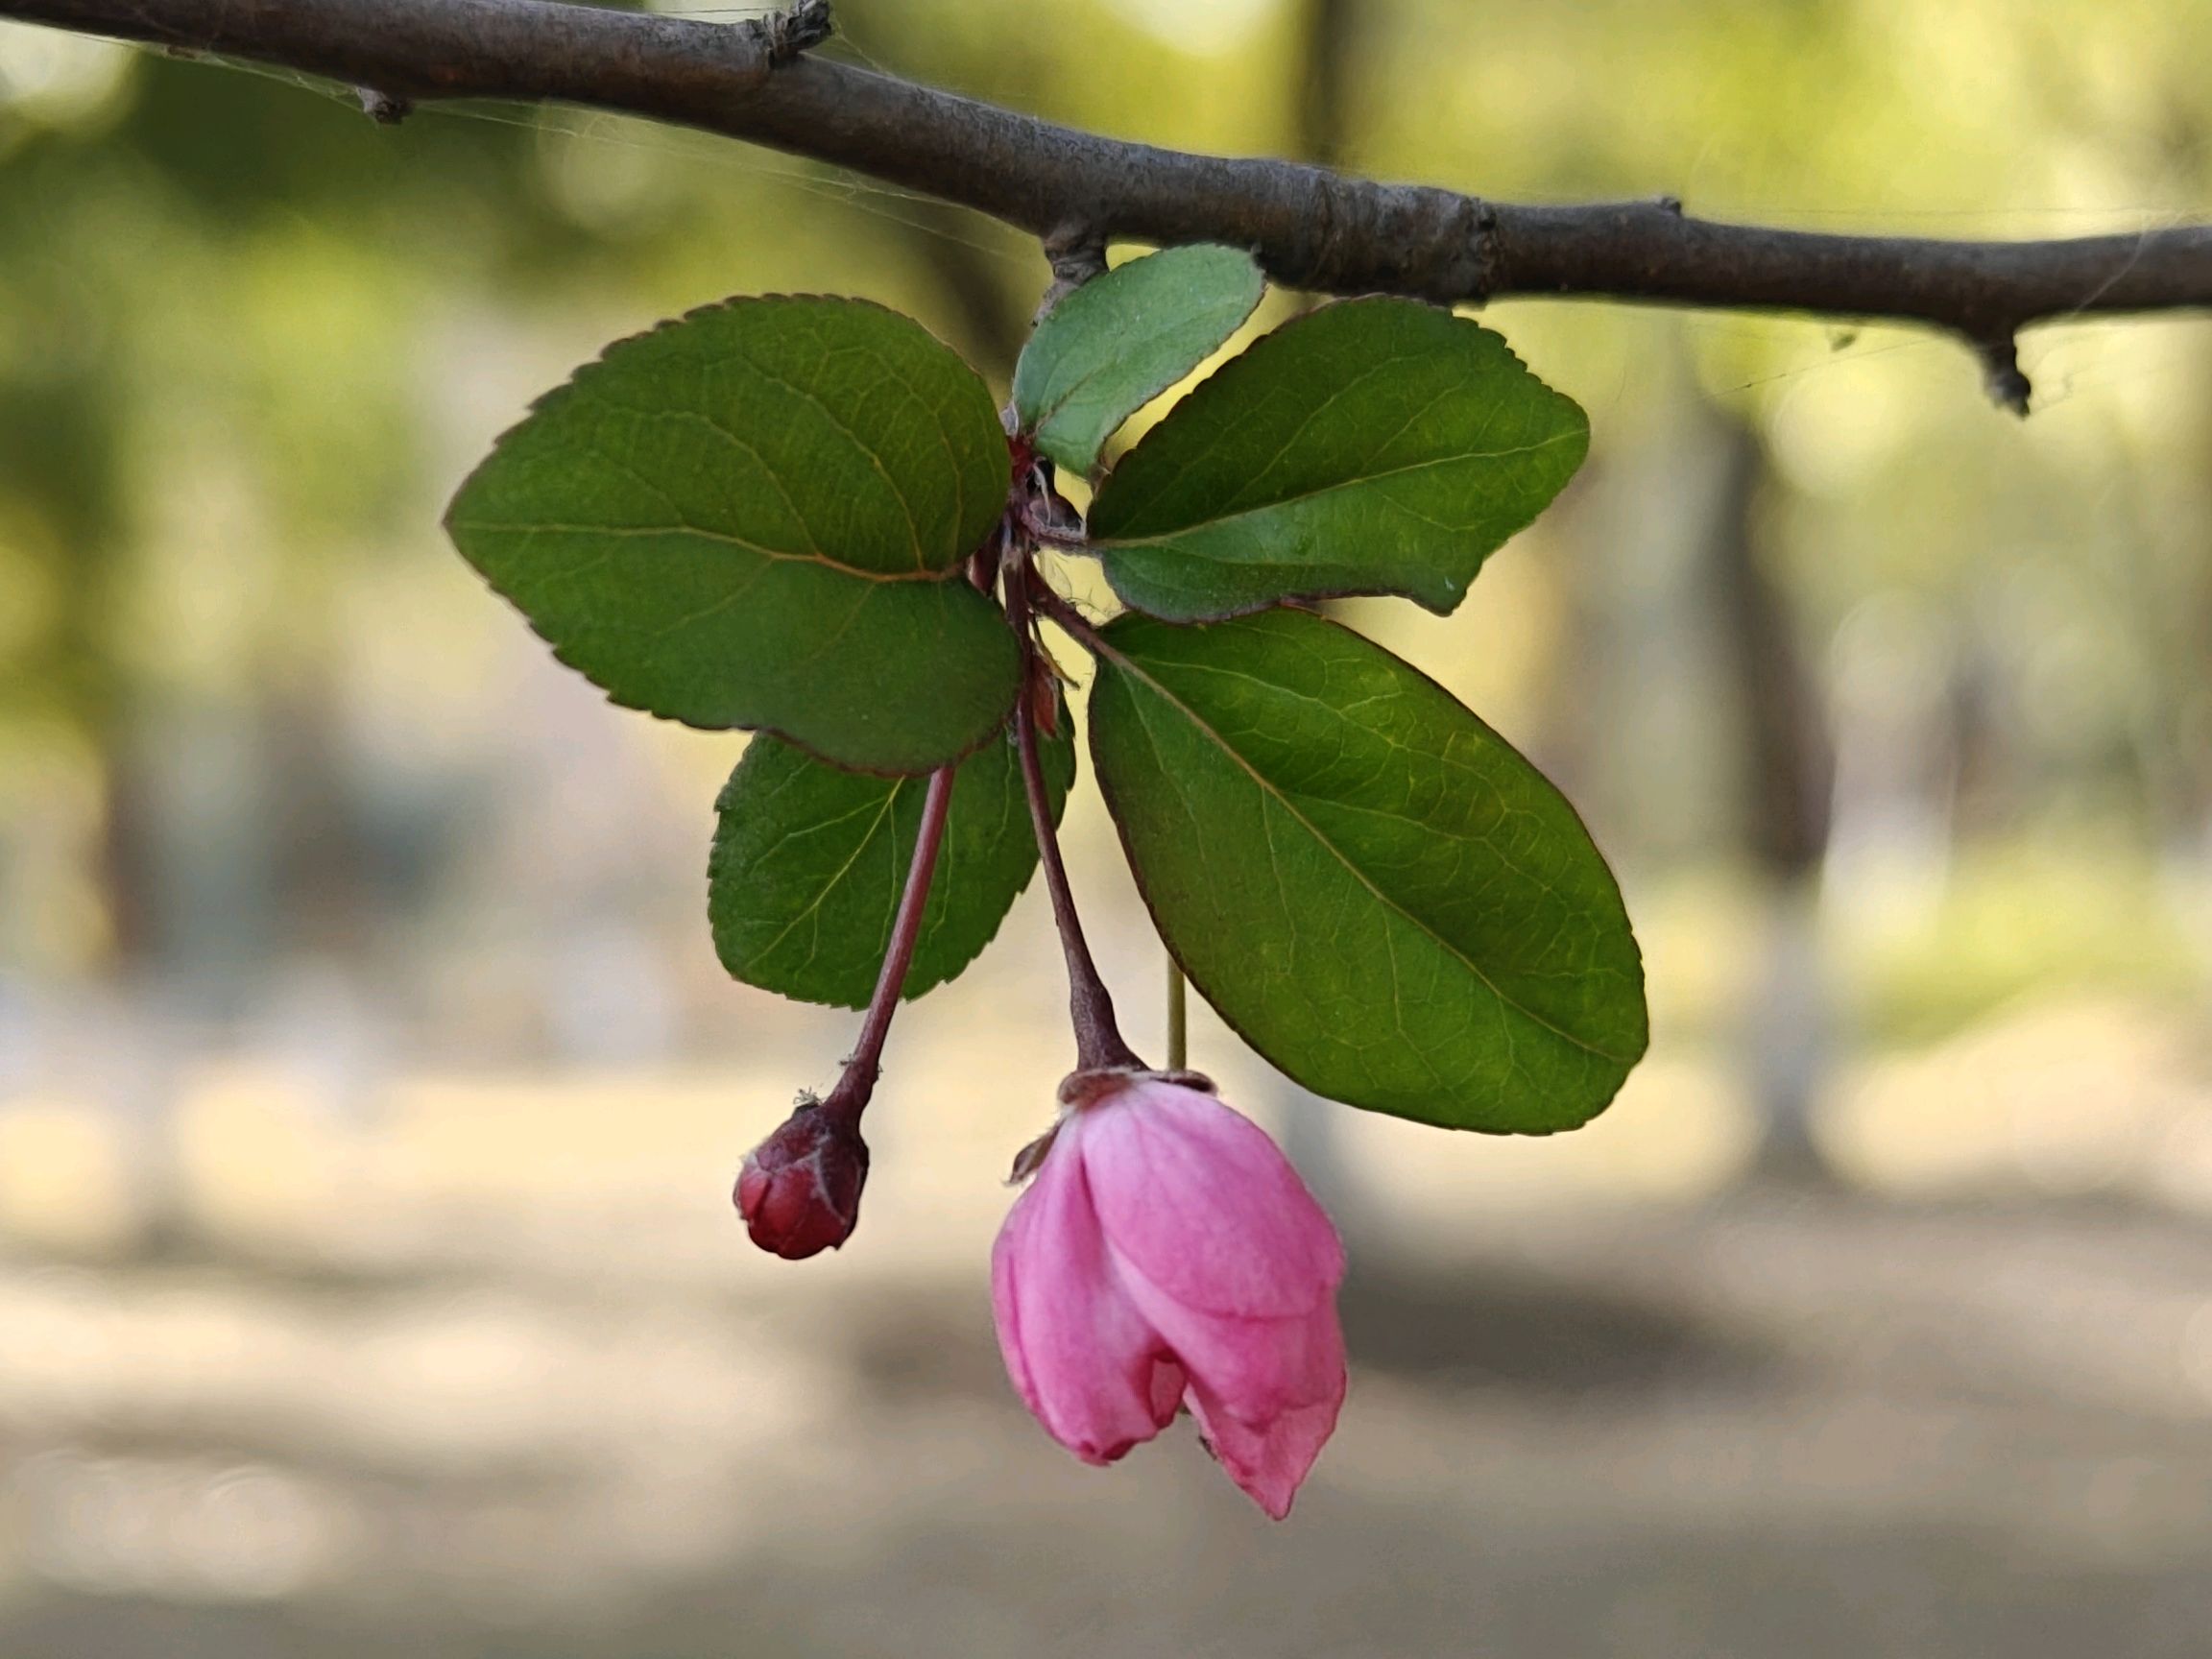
(1165, 1255)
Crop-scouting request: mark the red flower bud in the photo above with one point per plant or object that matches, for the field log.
(800, 1189)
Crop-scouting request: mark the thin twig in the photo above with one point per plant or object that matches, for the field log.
(1046, 602)
(1178, 1018)
(857, 1082)
(1099, 1042)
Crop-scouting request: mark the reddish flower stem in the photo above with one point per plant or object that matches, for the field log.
(1084, 631)
(1099, 1042)
(849, 1097)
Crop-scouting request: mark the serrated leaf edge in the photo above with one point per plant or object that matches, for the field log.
(1231, 373)
(551, 395)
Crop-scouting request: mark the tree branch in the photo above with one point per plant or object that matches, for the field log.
(1308, 228)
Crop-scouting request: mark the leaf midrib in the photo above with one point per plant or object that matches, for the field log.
(700, 533)
(1159, 538)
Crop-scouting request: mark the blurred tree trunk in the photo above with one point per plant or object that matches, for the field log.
(2183, 770)
(1326, 60)
(952, 245)
(947, 241)
(1788, 782)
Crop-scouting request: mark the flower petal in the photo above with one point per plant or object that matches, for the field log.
(1170, 1384)
(1269, 1460)
(1205, 1205)
(1257, 1367)
(1080, 1354)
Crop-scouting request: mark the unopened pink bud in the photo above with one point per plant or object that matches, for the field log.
(800, 1189)
(1165, 1255)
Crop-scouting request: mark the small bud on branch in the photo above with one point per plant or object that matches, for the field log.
(800, 1189)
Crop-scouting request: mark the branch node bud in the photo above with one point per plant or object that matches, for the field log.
(385, 108)
(788, 34)
(2007, 386)
(1484, 256)
(1077, 253)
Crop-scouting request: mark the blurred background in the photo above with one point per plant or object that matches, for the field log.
(369, 1090)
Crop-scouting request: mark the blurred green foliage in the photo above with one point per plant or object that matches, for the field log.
(249, 341)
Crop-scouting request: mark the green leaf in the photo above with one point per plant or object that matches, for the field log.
(757, 517)
(1368, 883)
(810, 862)
(1121, 339)
(1371, 446)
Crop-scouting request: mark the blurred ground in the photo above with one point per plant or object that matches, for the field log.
(490, 1371)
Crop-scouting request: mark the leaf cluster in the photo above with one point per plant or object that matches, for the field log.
(790, 516)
